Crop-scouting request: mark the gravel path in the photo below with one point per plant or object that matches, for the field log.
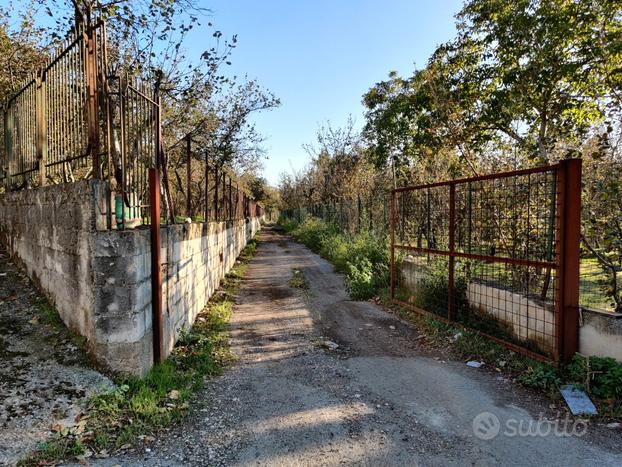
(44, 377)
(376, 399)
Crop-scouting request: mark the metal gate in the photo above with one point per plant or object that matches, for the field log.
(498, 254)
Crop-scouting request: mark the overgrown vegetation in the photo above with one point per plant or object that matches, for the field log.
(363, 257)
(139, 407)
(522, 84)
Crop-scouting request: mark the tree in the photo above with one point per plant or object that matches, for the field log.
(544, 69)
(523, 83)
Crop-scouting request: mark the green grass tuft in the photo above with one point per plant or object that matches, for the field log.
(298, 280)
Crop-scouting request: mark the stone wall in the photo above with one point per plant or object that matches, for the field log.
(195, 257)
(48, 231)
(100, 280)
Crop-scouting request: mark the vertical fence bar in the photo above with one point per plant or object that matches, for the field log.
(122, 105)
(41, 128)
(92, 116)
(230, 199)
(224, 195)
(156, 269)
(188, 177)
(216, 182)
(392, 271)
(206, 189)
(452, 239)
(568, 249)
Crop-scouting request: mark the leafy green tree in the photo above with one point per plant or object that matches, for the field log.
(546, 68)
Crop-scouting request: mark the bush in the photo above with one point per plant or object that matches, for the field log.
(288, 224)
(359, 280)
(363, 257)
(542, 376)
(603, 377)
(313, 233)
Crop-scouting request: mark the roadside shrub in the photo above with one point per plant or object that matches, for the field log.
(364, 279)
(313, 232)
(336, 249)
(359, 280)
(542, 376)
(363, 257)
(601, 376)
(288, 224)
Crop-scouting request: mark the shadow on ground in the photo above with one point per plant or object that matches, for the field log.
(293, 398)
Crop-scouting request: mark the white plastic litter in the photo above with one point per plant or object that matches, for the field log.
(474, 364)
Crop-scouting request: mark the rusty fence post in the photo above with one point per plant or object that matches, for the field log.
(156, 269)
(91, 89)
(392, 271)
(568, 257)
(188, 176)
(206, 189)
(41, 127)
(451, 311)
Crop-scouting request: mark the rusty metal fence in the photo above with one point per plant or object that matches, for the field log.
(51, 126)
(204, 191)
(353, 215)
(498, 254)
(75, 120)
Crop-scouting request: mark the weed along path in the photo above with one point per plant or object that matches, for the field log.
(322, 380)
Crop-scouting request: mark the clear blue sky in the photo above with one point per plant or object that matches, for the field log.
(320, 56)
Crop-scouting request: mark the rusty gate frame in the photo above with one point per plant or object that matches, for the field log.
(566, 264)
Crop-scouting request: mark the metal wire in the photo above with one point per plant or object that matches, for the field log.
(482, 252)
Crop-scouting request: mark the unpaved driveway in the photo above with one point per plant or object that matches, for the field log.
(375, 400)
(44, 377)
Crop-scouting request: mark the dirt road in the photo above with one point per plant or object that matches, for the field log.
(376, 399)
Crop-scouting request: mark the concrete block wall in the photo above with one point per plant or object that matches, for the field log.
(48, 231)
(600, 334)
(100, 280)
(195, 257)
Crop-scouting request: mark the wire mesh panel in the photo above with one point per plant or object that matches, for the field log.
(488, 253)
(351, 215)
